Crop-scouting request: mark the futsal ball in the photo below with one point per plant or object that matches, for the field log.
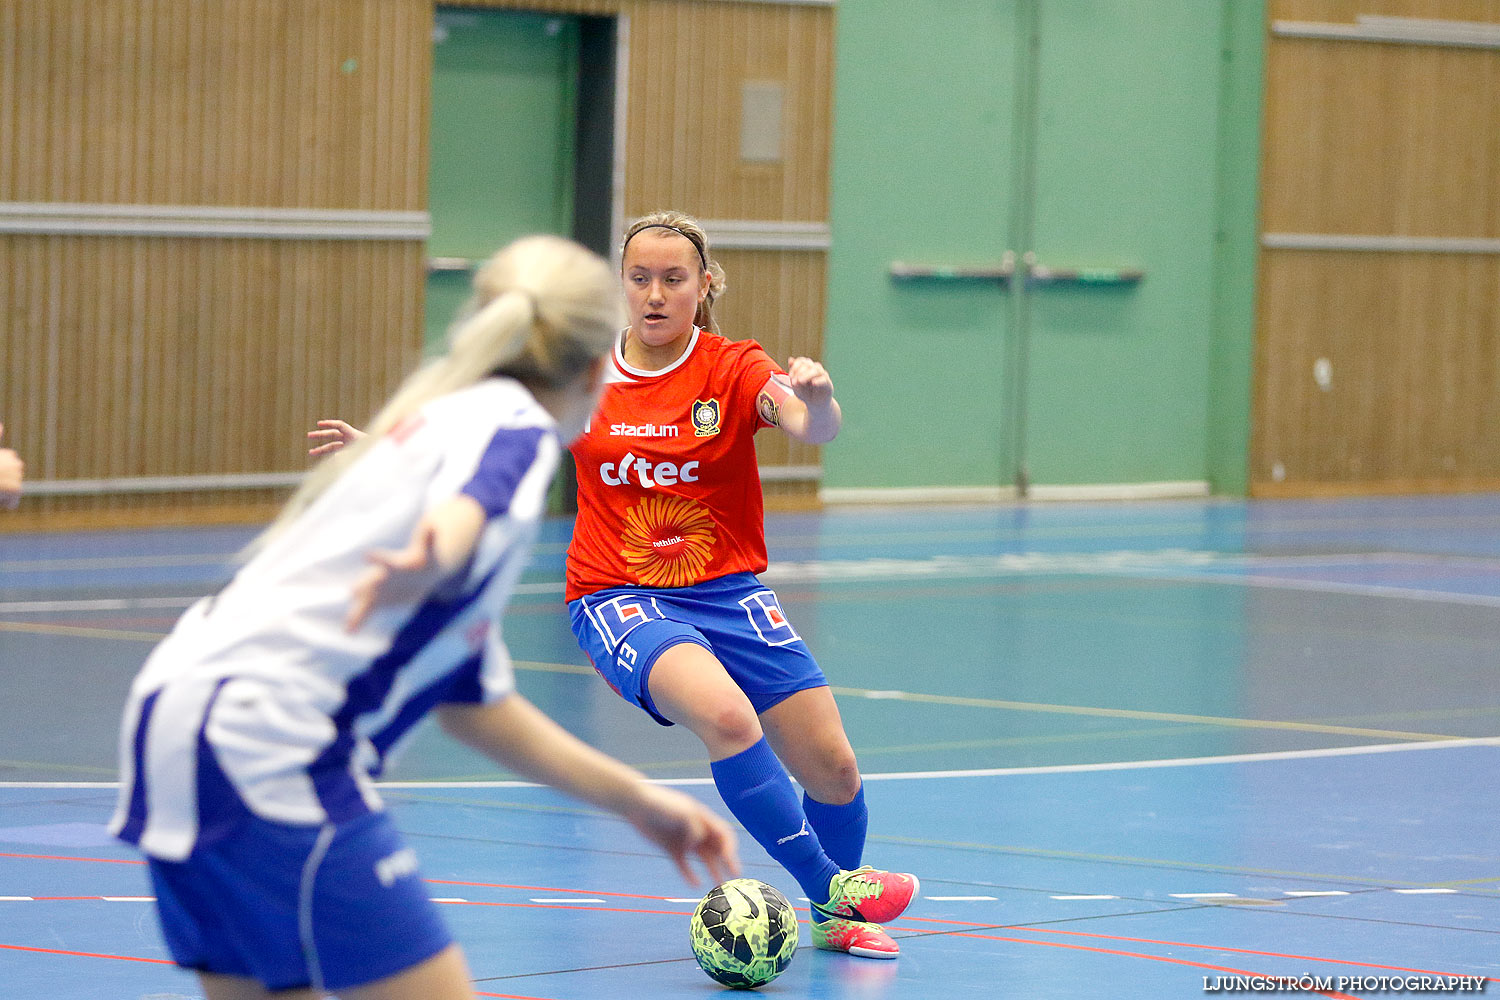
(744, 933)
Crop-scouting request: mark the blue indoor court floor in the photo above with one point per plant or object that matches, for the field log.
(1133, 751)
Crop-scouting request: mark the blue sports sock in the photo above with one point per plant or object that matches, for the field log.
(840, 829)
(757, 789)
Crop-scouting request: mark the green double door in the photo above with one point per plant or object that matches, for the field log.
(1068, 144)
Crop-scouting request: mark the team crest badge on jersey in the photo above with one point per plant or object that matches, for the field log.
(705, 417)
(770, 622)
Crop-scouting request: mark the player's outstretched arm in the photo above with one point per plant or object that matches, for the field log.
(12, 470)
(442, 541)
(802, 404)
(331, 435)
(520, 736)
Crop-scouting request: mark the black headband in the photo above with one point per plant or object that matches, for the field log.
(662, 225)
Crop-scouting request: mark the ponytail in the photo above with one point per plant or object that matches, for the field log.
(543, 309)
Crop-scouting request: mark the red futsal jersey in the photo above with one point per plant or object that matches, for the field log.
(668, 486)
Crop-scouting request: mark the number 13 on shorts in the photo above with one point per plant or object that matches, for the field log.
(769, 620)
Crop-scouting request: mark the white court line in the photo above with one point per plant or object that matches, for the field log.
(1092, 896)
(1424, 892)
(994, 772)
(1322, 587)
(449, 899)
(128, 899)
(99, 604)
(137, 603)
(565, 900)
(1242, 758)
(1314, 892)
(1154, 564)
(1203, 895)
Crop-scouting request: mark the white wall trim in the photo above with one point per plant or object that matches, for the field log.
(1397, 31)
(1191, 488)
(916, 494)
(160, 484)
(1002, 494)
(751, 234)
(220, 221)
(790, 473)
(1380, 244)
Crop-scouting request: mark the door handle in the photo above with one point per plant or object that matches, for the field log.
(1001, 272)
(1004, 273)
(1045, 274)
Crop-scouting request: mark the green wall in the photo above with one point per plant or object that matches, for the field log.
(1091, 135)
(504, 107)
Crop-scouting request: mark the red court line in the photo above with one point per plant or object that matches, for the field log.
(545, 888)
(960, 923)
(1152, 958)
(87, 954)
(563, 906)
(164, 961)
(1184, 944)
(54, 857)
(678, 913)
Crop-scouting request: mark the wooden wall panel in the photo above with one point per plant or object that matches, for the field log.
(1370, 138)
(688, 63)
(1414, 395)
(239, 102)
(131, 356)
(167, 357)
(1378, 140)
(1347, 10)
(776, 298)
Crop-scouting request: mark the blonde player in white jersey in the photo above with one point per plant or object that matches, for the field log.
(252, 734)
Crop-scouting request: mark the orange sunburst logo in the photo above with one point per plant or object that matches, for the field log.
(668, 541)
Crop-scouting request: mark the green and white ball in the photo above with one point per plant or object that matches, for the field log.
(744, 933)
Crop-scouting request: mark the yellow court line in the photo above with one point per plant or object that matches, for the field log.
(911, 696)
(38, 628)
(553, 668)
(1027, 741)
(1130, 713)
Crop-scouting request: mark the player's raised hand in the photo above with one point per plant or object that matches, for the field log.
(12, 471)
(332, 435)
(393, 576)
(810, 380)
(683, 828)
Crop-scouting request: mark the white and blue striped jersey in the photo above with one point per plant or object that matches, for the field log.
(260, 701)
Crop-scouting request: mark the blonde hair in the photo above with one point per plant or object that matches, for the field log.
(542, 310)
(686, 226)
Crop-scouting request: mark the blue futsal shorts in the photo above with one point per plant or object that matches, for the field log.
(736, 618)
(329, 907)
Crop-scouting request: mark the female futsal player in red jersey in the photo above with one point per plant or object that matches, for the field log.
(661, 583)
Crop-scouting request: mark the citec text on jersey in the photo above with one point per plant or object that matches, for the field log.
(1341, 984)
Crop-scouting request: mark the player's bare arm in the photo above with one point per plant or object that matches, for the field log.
(802, 402)
(515, 733)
